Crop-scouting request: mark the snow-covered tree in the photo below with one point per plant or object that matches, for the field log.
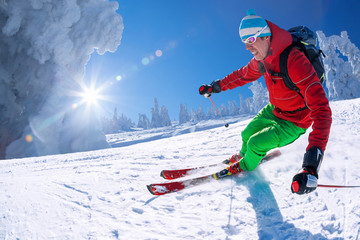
(124, 123)
(164, 116)
(193, 117)
(143, 122)
(224, 110)
(233, 108)
(197, 115)
(260, 97)
(44, 47)
(200, 113)
(184, 114)
(211, 113)
(244, 105)
(155, 115)
(159, 118)
(342, 77)
(115, 124)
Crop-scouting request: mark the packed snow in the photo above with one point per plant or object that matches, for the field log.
(102, 194)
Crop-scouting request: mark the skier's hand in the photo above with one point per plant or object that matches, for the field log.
(207, 90)
(305, 181)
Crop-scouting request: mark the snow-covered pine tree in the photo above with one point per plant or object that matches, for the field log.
(143, 122)
(124, 123)
(211, 113)
(164, 116)
(224, 110)
(184, 114)
(233, 108)
(342, 77)
(155, 115)
(244, 105)
(260, 97)
(159, 118)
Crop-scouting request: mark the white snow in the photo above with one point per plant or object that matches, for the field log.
(102, 194)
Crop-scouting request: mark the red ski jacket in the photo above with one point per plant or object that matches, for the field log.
(285, 100)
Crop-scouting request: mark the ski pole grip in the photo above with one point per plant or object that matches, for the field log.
(205, 89)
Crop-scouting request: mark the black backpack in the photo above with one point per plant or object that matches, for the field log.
(305, 40)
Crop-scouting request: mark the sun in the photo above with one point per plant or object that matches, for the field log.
(90, 96)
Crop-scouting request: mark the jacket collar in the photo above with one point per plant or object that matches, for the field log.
(280, 39)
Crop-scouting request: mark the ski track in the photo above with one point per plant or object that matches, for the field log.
(102, 194)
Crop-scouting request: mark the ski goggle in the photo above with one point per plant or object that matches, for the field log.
(252, 39)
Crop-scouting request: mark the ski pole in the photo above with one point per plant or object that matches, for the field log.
(226, 124)
(336, 186)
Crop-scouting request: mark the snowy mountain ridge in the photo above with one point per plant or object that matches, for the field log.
(102, 194)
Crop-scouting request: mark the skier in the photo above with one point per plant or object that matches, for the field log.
(289, 113)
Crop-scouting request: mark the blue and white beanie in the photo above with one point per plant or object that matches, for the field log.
(251, 24)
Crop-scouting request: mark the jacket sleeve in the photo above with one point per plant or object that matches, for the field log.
(244, 75)
(304, 76)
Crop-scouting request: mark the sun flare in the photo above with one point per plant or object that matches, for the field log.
(90, 96)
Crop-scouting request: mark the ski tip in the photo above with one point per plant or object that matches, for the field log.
(149, 187)
(162, 174)
(277, 152)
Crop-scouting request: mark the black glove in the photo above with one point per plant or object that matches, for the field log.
(207, 90)
(305, 181)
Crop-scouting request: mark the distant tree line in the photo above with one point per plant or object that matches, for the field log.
(160, 116)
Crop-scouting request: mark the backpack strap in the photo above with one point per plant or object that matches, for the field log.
(261, 68)
(284, 74)
(284, 70)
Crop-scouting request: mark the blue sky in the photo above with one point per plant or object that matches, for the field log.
(170, 48)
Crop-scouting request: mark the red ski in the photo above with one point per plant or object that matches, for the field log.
(178, 173)
(174, 174)
(164, 188)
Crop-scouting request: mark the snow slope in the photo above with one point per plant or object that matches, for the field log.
(102, 194)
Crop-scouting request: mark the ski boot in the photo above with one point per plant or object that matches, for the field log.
(233, 169)
(233, 159)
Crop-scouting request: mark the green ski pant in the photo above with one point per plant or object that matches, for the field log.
(263, 133)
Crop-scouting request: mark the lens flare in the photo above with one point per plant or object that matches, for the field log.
(29, 138)
(145, 61)
(158, 53)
